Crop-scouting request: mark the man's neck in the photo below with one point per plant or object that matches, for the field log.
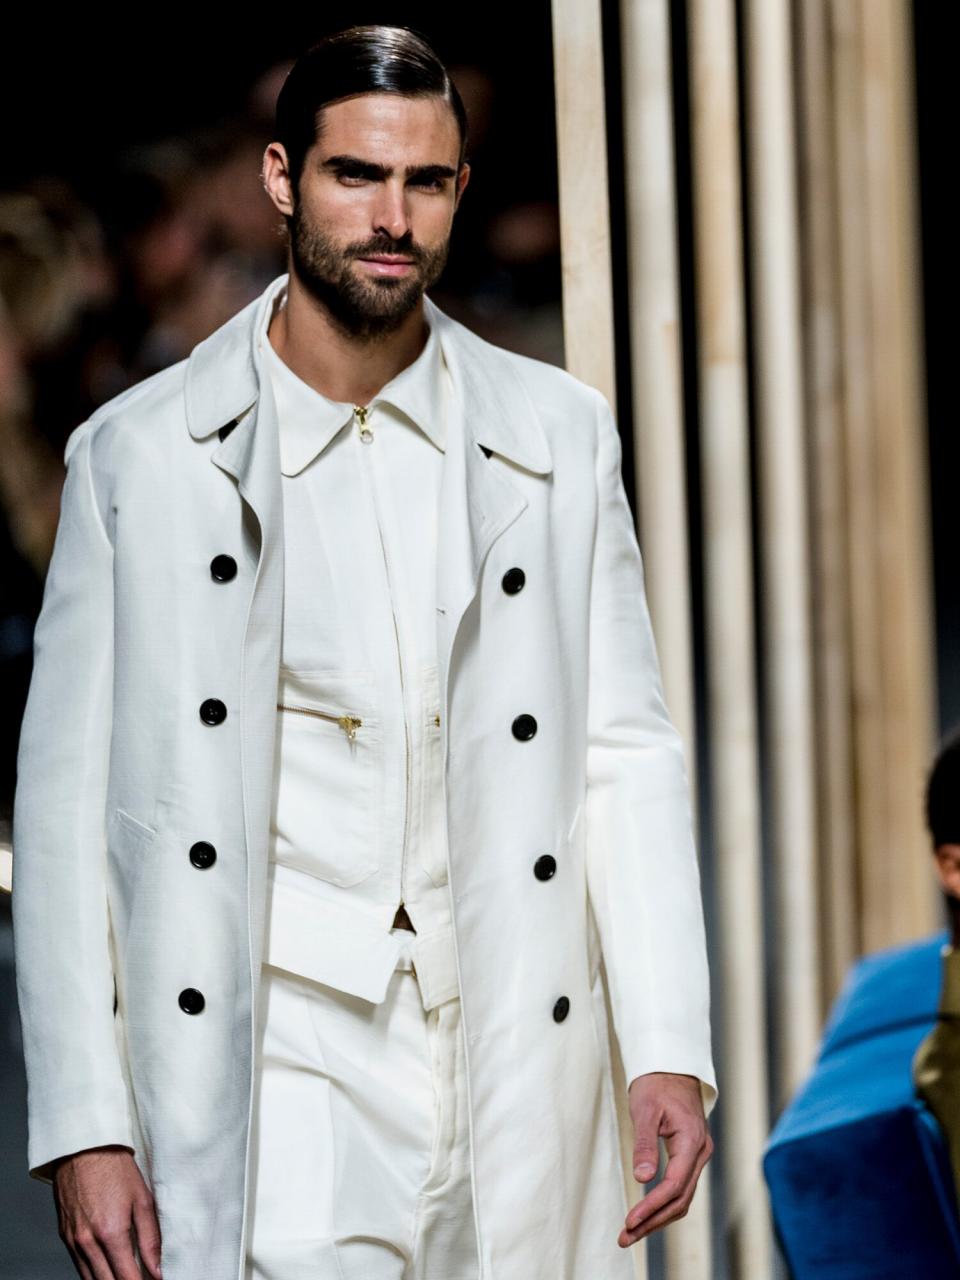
(350, 370)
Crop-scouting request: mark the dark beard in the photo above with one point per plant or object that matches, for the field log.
(369, 309)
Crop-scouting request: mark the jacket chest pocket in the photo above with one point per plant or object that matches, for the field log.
(328, 763)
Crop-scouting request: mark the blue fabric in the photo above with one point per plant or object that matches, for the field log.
(856, 1166)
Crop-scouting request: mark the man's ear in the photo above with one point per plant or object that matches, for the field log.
(947, 858)
(462, 179)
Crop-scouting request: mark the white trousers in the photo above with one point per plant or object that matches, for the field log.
(360, 1145)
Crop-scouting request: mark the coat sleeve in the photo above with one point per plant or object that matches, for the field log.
(643, 877)
(76, 1097)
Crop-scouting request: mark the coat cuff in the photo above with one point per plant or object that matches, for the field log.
(680, 1060)
(78, 1130)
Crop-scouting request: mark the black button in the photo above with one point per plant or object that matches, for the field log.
(545, 866)
(561, 1009)
(223, 568)
(191, 1000)
(524, 727)
(203, 854)
(212, 711)
(513, 581)
(227, 428)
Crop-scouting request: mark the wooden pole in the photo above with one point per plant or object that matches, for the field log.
(788, 658)
(584, 201)
(729, 610)
(889, 556)
(839, 931)
(902, 902)
(858, 416)
(588, 326)
(656, 361)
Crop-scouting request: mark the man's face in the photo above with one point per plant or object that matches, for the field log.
(381, 181)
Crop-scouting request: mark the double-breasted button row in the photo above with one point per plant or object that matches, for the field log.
(524, 726)
(223, 568)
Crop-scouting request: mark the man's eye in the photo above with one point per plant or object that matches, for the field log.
(434, 183)
(351, 177)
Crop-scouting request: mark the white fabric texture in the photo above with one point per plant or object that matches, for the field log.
(123, 779)
(351, 837)
(361, 1167)
(361, 1164)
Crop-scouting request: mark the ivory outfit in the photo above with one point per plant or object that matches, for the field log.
(146, 772)
(361, 1162)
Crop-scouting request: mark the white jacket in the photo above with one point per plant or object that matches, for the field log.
(119, 776)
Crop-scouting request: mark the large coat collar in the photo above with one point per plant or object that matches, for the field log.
(224, 372)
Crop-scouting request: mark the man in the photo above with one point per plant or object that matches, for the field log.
(936, 1063)
(345, 762)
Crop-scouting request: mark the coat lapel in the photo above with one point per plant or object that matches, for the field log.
(492, 421)
(223, 394)
(491, 418)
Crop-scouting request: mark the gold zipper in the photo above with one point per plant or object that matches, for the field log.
(349, 724)
(366, 435)
(360, 413)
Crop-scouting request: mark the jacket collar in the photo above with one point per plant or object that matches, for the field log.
(224, 373)
(309, 420)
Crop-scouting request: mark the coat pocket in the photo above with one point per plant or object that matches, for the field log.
(328, 765)
(135, 827)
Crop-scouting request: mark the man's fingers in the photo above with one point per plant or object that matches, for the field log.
(118, 1247)
(646, 1148)
(148, 1234)
(87, 1252)
(676, 1178)
(641, 1223)
(83, 1271)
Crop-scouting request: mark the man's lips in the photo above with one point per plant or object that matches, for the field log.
(388, 264)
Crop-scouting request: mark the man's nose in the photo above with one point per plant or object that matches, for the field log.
(391, 216)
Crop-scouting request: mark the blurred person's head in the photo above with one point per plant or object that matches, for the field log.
(226, 198)
(368, 160)
(943, 823)
(42, 282)
(149, 222)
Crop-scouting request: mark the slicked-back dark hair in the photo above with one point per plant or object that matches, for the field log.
(363, 59)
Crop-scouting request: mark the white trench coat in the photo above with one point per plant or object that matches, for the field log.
(119, 776)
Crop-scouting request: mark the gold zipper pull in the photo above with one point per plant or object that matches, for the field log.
(360, 413)
(436, 718)
(349, 726)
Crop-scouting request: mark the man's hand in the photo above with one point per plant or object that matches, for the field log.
(104, 1207)
(669, 1106)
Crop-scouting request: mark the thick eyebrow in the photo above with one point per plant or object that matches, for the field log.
(368, 169)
